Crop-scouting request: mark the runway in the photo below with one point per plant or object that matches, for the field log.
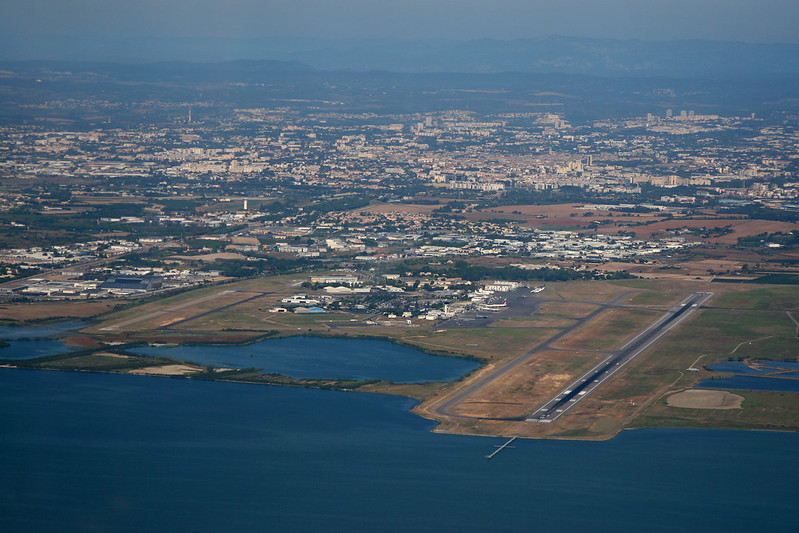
(585, 384)
(443, 408)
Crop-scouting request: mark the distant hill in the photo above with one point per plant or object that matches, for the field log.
(566, 55)
(243, 71)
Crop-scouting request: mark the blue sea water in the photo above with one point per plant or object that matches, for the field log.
(330, 358)
(103, 452)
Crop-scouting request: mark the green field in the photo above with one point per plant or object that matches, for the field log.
(760, 410)
(785, 298)
(609, 330)
(656, 298)
(488, 343)
(714, 335)
(762, 330)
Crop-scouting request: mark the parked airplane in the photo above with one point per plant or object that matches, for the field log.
(492, 307)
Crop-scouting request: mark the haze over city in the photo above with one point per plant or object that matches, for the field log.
(50, 29)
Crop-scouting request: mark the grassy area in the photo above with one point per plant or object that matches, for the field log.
(480, 343)
(155, 309)
(417, 391)
(536, 321)
(190, 337)
(565, 309)
(98, 362)
(722, 332)
(784, 298)
(714, 335)
(192, 303)
(656, 298)
(635, 283)
(248, 317)
(251, 375)
(489, 343)
(518, 393)
(760, 410)
(38, 311)
(591, 291)
(609, 330)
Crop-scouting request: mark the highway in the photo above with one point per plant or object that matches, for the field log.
(585, 384)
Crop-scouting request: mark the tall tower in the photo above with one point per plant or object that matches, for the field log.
(189, 113)
(245, 204)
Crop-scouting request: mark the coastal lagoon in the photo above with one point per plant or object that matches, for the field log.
(328, 358)
(39, 332)
(764, 377)
(763, 367)
(32, 348)
(38, 341)
(751, 383)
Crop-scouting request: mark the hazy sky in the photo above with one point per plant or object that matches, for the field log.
(737, 20)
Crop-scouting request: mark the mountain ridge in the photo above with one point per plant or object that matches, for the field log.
(545, 55)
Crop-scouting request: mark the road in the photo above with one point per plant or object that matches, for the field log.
(585, 384)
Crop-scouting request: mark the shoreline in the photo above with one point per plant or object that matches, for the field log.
(427, 394)
(413, 409)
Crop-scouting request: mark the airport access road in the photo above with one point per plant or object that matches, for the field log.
(587, 383)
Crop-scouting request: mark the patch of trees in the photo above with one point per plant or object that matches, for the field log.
(248, 268)
(339, 204)
(180, 205)
(757, 212)
(788, 240)
(469, 272)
